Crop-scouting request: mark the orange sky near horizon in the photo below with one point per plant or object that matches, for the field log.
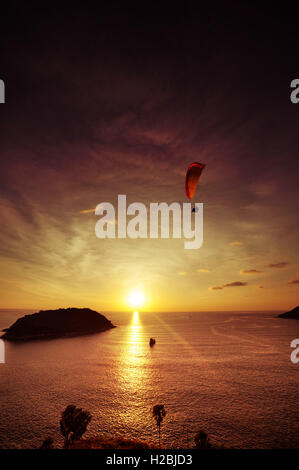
(171, 278)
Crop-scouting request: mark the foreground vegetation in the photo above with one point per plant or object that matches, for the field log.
(74, 422)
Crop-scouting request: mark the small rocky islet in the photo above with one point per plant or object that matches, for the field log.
(59, 323)
(292, 314)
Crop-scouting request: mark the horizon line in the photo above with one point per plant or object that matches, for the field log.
(151, 311)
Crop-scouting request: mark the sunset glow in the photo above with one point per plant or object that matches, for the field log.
(50, 254)
(136, 299)
(149, 249)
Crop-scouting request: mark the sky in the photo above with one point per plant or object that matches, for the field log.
(121, 101)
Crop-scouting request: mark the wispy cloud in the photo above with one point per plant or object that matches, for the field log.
(236, 243)
(251, 271)
(293, 281)
(91, 211)
(203, 270)
(235, 284)
(87, 211)
(280, 264)
(229, 284)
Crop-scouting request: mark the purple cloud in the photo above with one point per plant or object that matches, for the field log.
(230, 284)
(280, 264)
(250, 271)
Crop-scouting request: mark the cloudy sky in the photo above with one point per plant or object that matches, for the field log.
(121, 102)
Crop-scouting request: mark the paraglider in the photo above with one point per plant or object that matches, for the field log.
(192, 177)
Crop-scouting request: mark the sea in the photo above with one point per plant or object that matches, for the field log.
(227, 373)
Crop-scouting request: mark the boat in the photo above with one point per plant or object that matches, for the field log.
(152, 341)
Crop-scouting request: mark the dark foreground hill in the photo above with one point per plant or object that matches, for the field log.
(110, 443)
(58, 323)
(291, 314)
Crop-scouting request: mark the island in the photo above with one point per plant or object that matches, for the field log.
(293, 314)
(60, 323)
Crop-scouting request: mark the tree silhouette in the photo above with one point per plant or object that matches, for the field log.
(47, 444)
(202, 440)
(73, 424)
(159, 413)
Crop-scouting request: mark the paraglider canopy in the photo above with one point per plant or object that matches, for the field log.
(192, 177)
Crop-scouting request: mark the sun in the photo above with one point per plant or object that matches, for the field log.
(136, 298)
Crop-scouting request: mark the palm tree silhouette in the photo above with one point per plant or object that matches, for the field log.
(159, 413)
(202, 440)
(73, 424)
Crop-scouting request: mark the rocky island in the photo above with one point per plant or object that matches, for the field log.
(63, 322)
(294, 314)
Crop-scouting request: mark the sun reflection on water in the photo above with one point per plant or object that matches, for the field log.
(135, 344)
(133, 374)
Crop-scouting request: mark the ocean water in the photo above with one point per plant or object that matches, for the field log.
(227, 373)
